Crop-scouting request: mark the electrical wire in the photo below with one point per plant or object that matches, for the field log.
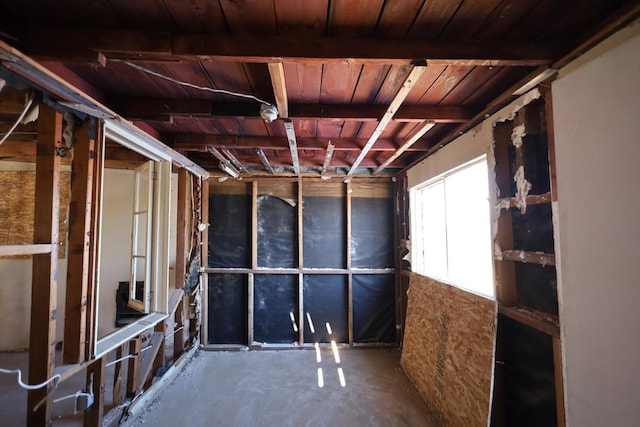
(27, 106)
(54, 378)
(194, 86)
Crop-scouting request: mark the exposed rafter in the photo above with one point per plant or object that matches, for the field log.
(276, 71)
(327, 158)
(264, 160)
(398, 99)
(414, 136)
(225, 164)
(232, 158)
(165, 109)
(82, 44)
(293, 145)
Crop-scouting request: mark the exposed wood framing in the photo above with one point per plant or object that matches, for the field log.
(44, 267)
(543, 323)
(327, 158)
(264, 160)
(301, 317)
(20, 250)
(254, 259)
(182, 239)
(348, 192)
(119, 390)
(203, 242)
(531, 199)
(85, 44)
(234, 160)
(96, 373)
(165, 110)
(531, 257)
(133, 372)
(293, 146)
(80, 209)
(559, 383)
(398, 99)
(276, 71)
(411, 139)
(225, 164)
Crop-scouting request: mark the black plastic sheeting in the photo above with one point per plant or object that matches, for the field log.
(529, 382)
(374, 308)
(227, 323)
(230, 231)
(277, 233)
(533, 230)
(537, 287)
(326, 301)
(275, 297)
(372, 233)
(324, 232)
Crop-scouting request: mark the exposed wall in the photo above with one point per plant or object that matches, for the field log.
(596, 112)
(15, 290)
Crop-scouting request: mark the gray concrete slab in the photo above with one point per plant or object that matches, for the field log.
(281, 388)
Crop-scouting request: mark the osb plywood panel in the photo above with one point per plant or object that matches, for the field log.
(17, 207)
(448, 350)
(372, 189)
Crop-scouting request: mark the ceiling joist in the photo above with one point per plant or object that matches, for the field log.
(81, 44)
(264, 160)
(413, 137)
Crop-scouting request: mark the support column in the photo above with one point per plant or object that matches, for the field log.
(45, 266)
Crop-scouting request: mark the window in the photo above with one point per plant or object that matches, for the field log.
(451, 228)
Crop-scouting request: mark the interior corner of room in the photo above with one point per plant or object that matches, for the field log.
(389, 241)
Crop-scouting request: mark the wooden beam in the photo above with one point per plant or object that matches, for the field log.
(165, 110)
(84, 44)
(133, 371)
(96, 373)
(293, 145)
(348, 192)
(529, 257)
(203, 242)
(199, 143)
(80, 208)
(44, 287)
(21, 250)
(225, 165)
(183, 233)
(118, 379)
(300, 209)
(559, 382)
(264, 160)
(398, 99)
(327, 158)
(411, 139)
(254, 261)
(532, 319)
(234, 160)
(276, 71)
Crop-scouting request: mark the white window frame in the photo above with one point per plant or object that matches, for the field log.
(417, 230)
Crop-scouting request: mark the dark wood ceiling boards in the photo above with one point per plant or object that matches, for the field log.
(343, 63)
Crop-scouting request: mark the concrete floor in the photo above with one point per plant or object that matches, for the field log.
(281, 388)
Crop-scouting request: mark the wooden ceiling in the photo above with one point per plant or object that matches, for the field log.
(362, 86)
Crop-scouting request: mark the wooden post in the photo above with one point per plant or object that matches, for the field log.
(75, 321)
(133, 373)
(254, 260)
(348, 191)
(300, 265)
(118, 396)
(158, 360)
(45, 266)
(95, 380)
(559, 385)
(182, 237)
(397, 188)
(204, 259)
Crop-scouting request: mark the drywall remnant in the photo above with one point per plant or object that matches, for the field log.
(522, 190)
(520, 103)
(448, 350)
(497, 251)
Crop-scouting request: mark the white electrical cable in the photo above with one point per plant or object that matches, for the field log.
(194, 86)
(15, 125)
(27, 386)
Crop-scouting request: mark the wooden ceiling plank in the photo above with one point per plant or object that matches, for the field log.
(264, 160)
(402, 93)
(276, 71)
(415, 135)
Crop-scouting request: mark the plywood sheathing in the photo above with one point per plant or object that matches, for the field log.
(448, 350)
(17, 208)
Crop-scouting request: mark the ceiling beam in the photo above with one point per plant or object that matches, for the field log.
(293, 145)
(411, 139)
(276, 71)
(264, 160)
(165, 109)
(199, 142)
(327, 158)
(236, 163)
(398, 99)
(77, 44)
(283, 160)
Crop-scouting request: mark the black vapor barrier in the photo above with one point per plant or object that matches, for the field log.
(324, 232)
(230, 230)
(374, 308)
(372, 233)
(227, 323)
(325, 308)
(275, 308)
(277, 233)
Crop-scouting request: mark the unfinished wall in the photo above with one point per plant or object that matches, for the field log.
(453, 372)
(596, 111)
(15, 290)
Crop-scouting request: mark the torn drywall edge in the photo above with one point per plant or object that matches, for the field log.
(519, 104)
(522, 189)
(517, 135)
